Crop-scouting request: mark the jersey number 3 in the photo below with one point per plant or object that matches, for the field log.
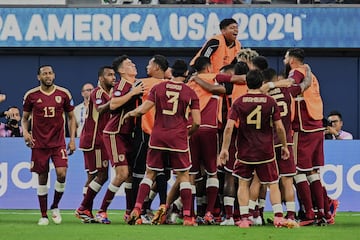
(174, 100)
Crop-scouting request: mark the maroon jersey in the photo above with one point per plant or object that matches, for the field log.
(172, 102)
(48, 115)
(95, 122)
(116, 123)
(283, 99)
(256, 113)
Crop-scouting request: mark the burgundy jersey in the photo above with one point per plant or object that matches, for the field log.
(116, 123)
(255, 139)
(172, 102)
(283, 99)
(95, 122)
(48, 115)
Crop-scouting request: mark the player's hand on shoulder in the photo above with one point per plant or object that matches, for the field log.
(138, 88)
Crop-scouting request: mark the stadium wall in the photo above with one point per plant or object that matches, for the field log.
(341, 177)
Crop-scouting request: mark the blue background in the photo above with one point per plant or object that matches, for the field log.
(344, 155)
(322, 27)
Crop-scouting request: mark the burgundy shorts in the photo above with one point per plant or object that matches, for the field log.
(267, 172)
(158, 160)
(118, 148)
(309, 150)
(203, 149)
(40, 158)
(286, 167)
(96, 159)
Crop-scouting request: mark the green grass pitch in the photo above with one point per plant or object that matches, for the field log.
(22, 224)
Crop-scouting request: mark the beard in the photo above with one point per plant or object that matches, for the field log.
(47, 83)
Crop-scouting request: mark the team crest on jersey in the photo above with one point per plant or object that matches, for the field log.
(121, 157)
(58, 99)
(117, 93)
(98, 101)
(105, 163)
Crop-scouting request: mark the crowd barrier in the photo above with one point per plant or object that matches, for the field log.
(341, 176)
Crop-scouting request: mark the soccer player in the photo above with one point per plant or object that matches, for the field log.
(46, 105)
(156, 69)
(308, 128)
(230, 206)
(287, 169)
(169, 138)
(117, 135)
(91, 141)
(257, 114)
(203, 143)
(221, 48)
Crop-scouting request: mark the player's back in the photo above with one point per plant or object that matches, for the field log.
(283, 99)
(172, 102)
(256, 113)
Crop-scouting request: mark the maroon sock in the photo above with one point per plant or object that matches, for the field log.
(186, 197)
(109, 196)
(303, 189)
(88, 199)
(57, 198)
(228, 211)
(326, 202)
(144, 190)
(43, 204)
(211, 193)
(318, 193)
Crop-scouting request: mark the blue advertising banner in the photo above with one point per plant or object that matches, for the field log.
(183, 27)
(341, 177)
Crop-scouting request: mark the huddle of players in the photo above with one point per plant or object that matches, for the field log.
(206, 183)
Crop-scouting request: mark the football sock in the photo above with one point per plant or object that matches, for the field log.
(185, 194)
(212, 187)
(42, 192)
(59, 191)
